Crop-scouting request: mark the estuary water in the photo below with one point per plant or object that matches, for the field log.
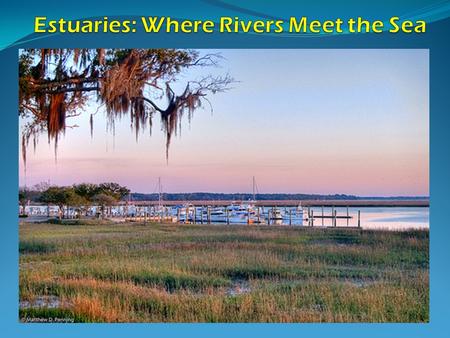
(393, 218)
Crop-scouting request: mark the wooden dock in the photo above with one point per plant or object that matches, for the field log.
(331, 216)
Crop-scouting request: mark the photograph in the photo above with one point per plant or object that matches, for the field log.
(223, 185)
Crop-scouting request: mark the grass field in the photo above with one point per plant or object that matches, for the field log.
(200, 273)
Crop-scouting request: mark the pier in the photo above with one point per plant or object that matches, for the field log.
(318, 213)
(243, 213)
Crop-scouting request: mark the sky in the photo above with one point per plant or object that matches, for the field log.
(300, 121)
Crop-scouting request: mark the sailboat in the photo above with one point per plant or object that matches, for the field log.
(244, 211)
(160, 209)
(129, 208)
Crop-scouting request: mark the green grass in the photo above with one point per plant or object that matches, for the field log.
(200, 273)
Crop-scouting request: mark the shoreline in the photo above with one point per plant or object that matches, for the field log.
(130, 222)
(294, 203)
(422, 203)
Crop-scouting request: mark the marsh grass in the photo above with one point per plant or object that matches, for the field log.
(184, 273)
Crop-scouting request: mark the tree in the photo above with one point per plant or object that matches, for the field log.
(104, 200)
(80, 203)
(59, 196)
(23, 200)
(114, 190)
(56, 84)
(33, 194)
(87, 191)
(104, 194)
(40, 187)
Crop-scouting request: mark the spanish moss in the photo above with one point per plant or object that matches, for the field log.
(56, 85)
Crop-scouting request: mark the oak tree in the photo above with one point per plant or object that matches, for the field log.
(57, 84)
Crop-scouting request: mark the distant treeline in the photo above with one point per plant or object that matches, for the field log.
(208, 196)
(34, 194)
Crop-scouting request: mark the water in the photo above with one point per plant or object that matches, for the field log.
(393, 218)
(49, 302)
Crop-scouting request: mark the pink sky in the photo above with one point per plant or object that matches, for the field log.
(323, 121)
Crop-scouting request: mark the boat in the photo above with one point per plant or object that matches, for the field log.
(185, 213)
(293, 216)
(244, 211)
(275, 215)
(216, 215)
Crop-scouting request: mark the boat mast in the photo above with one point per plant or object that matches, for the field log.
(254, 189)
(159, 192)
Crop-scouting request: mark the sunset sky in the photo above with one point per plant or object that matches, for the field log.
(300, 121)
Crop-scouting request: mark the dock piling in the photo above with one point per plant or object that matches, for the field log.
(322, 217)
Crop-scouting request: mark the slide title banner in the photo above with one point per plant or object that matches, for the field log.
(294, 25)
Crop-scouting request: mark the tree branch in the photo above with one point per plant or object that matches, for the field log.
(75, 89)
(150, 102)
(69, 81)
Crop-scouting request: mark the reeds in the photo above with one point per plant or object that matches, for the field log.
(188, 273)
